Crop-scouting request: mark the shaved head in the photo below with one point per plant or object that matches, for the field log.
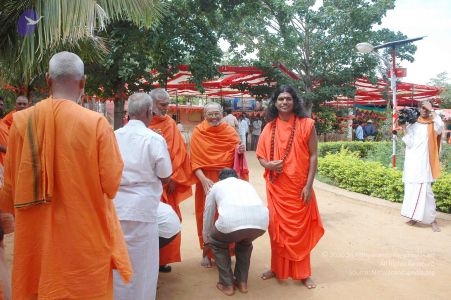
(66, 78)
(66, 64)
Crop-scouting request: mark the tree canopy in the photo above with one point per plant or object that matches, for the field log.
(316, 41)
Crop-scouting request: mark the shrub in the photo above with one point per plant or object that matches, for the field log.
(362, 148)
(350, 172)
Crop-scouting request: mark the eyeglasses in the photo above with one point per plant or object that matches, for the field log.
(213, 114)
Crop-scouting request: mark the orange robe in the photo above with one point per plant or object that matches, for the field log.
(4, 130)
(62, 169)
(8, 119)
(294, 228)
(182, 175)
(212, 148)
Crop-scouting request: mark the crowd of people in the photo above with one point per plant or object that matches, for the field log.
(96, 211)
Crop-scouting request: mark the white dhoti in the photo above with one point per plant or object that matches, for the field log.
(243, 140)
(142, 245)
(419, 202)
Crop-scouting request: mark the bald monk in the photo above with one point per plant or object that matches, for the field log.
(213, 146)
(287, 149)
(179, 186)
(59, 182)
(21, 103)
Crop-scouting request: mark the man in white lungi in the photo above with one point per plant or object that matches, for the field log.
(147, 166)
(421, 167)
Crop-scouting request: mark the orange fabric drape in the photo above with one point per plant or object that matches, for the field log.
(182, 175)
(294, 228)
(212, 148)
(3, 140)
(66, 248)
(433, 145)
(8, 119)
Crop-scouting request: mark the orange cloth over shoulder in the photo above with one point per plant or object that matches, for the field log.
(65, 248)
(433, 146)
(294, 228)
(4, 132)
(182, 175)
(8, 119)
(212, 148)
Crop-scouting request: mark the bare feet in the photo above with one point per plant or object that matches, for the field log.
(268, 275)
(227, 290)
(241, 286)
(411, 222)
(205, 262)
(435, 227)
(309, 283)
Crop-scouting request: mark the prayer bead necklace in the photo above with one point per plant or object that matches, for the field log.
(273, 177)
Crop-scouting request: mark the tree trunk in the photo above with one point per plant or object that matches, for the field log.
(118, 113)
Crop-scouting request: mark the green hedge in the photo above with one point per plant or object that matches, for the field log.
(350, 172)
(362, 148)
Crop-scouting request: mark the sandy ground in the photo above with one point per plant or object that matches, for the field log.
(367, 252)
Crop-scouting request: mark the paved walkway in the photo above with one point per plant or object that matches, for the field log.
(367, 252)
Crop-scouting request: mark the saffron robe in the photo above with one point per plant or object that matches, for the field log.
(182, 175)
(66, 244)
(294, 228)
(8, 118)
(212, 148)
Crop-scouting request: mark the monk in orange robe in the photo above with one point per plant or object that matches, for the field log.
(212, 148)
(179, 186)
(287, 149)
(21, 103)
(62, 169)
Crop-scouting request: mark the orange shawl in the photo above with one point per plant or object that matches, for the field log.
(434, 146)
(3, 140)
(35, 174)
(213, 147)
(8, 119)
(179, 157)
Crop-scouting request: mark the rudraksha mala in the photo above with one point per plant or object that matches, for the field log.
(273, 177)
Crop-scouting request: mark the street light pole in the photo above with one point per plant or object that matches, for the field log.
(368, 48)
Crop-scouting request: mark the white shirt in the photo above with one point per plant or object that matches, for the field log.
(244, 127)
(257, 127)
(146, 160)
(231, 120)
(168, 221)
(417, 168)
(239, 207)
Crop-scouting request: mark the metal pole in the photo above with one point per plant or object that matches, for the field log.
(394, 112)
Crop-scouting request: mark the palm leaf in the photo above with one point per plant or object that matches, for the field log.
(66, 24)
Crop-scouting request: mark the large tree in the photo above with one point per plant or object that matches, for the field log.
(25, 48)
(442, 80)
(183, 36)
(316, 40)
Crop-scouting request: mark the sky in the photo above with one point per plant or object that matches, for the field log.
(417, 18)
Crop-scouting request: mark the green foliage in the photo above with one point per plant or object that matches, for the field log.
(443, 81)
(318, 43)
(348, 171)
(325, 120)
(361, 148)
(354, 174)
(65, 25)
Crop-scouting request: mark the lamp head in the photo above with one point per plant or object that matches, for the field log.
(364, 47)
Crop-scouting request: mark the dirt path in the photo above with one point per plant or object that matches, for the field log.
(367, 252)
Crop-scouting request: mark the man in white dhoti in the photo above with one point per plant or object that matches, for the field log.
(421, 167)
(147, 165)
(243, 129)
